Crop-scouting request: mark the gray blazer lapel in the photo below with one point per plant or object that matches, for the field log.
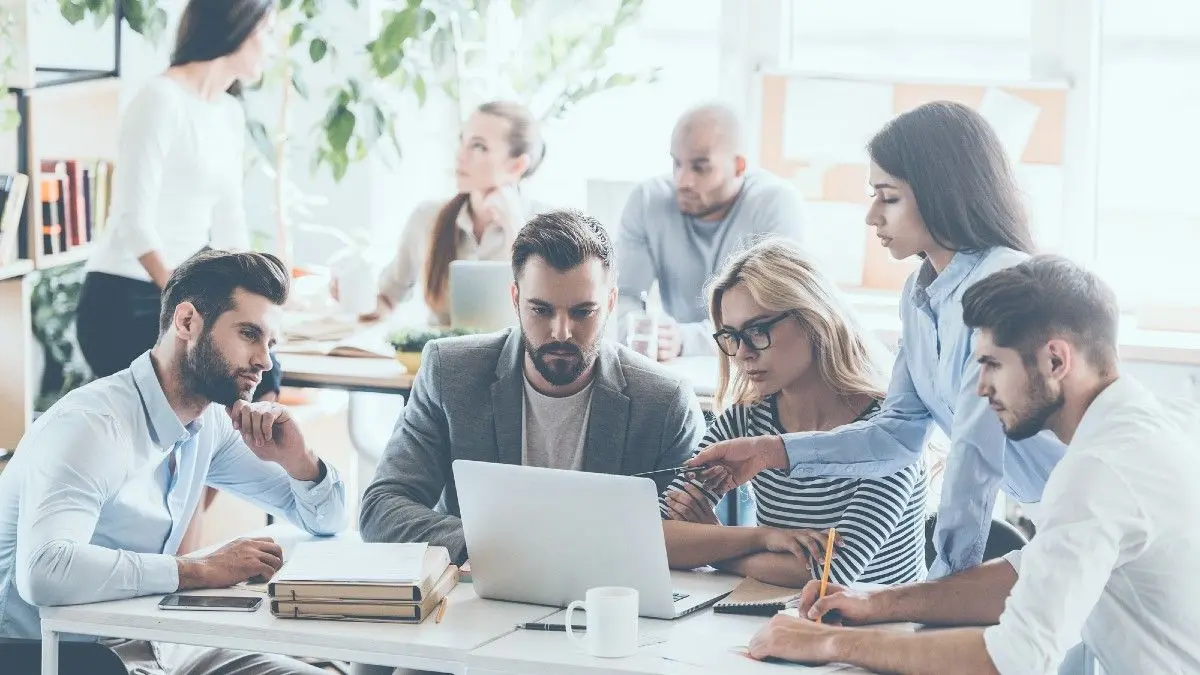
(508, 400)
(608, 418)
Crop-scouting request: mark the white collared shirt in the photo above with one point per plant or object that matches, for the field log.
(90, 510)
(1118, 550)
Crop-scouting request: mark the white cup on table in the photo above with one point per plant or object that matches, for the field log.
(612, 621)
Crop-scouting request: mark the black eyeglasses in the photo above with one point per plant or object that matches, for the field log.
(758, 336)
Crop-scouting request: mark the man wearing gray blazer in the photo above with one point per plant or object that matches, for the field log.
(553, 393)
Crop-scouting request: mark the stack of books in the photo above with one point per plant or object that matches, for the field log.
(74, 196)
(354, 581)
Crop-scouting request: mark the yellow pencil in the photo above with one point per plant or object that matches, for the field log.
(442, 610)
(828, 557)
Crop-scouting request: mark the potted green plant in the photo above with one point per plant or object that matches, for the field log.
(409, 342)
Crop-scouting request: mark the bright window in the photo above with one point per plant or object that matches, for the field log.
(1149, 217)
(914, 38)
(624, 134)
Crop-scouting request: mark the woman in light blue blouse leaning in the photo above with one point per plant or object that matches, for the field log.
(942, 189)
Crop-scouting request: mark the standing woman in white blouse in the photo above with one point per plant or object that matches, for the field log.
(177, 184)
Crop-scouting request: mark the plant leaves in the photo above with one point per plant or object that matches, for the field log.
(316, 49)
(73, 12)
(296, 34)
(418, 86)
(339, 129)
(299, 84)
(262, 140)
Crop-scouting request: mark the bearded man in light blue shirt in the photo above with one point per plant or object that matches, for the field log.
(102, 487)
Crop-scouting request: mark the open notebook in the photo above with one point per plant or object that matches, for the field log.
(755, 597)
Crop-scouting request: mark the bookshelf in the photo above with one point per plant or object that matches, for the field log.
(66, 114)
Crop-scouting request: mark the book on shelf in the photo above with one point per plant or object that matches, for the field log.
(75, 194)
(13, 188)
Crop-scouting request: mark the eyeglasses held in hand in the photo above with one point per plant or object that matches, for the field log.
(757, 336)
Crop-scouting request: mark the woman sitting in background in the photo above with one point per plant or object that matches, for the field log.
(794, 358)
(500, 146)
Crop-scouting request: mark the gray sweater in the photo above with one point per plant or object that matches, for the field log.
(656, 241)
(466, 403)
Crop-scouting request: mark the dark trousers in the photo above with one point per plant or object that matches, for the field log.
(117, 320)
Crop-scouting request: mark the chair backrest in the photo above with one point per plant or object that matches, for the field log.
(1003, 537)
(74, 658)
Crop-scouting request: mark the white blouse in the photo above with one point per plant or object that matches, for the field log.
(177, 181)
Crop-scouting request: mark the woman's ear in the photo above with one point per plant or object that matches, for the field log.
(517, 166)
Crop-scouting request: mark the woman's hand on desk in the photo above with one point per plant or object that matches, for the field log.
(804, 544)
(233, 563)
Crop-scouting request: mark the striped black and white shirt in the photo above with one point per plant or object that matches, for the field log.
(881, 521)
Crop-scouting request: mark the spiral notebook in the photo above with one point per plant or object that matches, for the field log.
(755, 597)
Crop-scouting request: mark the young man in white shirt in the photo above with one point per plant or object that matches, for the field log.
(100, 491)
(1116, 555)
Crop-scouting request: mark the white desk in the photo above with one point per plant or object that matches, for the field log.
(702, 643)
(469, 622)
(476, 636)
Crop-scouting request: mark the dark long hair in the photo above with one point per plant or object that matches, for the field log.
(964, 185)
(524, 138)
(210, 29)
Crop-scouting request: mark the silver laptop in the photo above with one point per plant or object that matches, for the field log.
(545, 536)
(480, 295)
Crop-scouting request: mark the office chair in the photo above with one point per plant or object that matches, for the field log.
(1003, 537)
(21, 656)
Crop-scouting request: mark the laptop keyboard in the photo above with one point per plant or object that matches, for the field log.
(676, 596)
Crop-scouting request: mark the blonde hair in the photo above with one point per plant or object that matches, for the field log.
(782, 279)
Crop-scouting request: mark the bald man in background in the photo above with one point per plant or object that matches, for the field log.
(680, 229)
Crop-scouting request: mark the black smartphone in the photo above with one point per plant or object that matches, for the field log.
(212, 603)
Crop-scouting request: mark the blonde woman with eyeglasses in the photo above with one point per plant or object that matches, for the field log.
(795, 358)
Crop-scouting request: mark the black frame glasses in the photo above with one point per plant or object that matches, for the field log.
(758, 336)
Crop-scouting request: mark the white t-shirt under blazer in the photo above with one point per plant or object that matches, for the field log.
(177, 180)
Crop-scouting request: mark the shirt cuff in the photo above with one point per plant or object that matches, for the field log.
(1014, 559)
(160, 574)
(316, 491)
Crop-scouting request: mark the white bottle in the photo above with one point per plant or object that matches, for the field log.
(642, 333)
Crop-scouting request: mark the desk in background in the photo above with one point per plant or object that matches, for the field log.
(387, 376)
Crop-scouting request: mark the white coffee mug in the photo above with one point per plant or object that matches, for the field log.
(356, 285)
(612, 621)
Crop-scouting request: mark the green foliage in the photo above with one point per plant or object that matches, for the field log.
(414, 339)
(54, 299)
(569, 63)
(145, 17)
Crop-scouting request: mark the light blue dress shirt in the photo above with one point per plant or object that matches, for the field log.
(90, 510)
(935, 379)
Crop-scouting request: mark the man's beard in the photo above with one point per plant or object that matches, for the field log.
(206, 373)
(702, 211)
(567, 365)
(1040, 405)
